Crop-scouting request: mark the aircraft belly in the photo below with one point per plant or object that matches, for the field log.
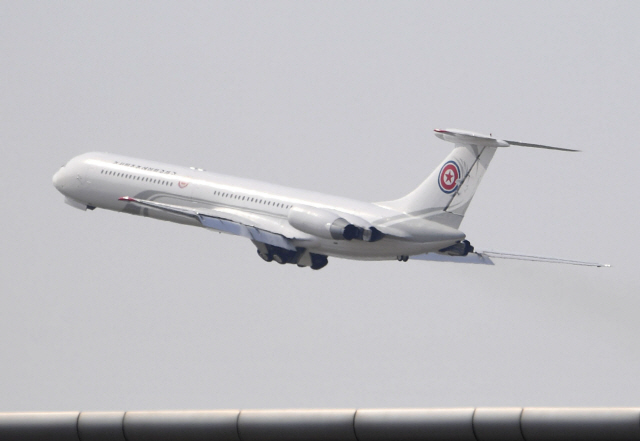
(386, 249)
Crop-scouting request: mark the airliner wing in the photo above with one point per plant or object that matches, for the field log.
(251, 226)
(484, 258)
(502, 255)
(476, 258)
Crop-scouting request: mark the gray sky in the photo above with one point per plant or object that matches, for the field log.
(106, 311)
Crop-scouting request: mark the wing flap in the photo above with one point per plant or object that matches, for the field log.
(230, 223)
(474, 258)
(173, 209)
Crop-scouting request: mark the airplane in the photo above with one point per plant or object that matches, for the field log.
(292, 226)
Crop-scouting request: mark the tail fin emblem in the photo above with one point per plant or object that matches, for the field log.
(449, 176)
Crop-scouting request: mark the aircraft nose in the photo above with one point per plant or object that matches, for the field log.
(58, 181)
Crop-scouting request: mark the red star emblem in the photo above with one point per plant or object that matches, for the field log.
(449, 176)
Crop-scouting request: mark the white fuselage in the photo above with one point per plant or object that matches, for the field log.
(100, 179)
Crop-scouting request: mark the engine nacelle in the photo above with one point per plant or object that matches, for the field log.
(322, 223)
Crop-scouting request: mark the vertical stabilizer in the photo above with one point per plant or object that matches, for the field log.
(446, 194)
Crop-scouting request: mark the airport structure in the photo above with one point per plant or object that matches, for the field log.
(460, 424)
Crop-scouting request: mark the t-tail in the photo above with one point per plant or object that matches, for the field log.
(446, 194)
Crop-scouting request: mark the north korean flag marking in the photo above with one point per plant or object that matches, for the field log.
(449, 175)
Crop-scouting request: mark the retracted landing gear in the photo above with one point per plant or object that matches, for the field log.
(267, 257)
(283, 256)
(300, 257)
(318, 261)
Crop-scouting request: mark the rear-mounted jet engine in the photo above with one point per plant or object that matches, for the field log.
(329, 225)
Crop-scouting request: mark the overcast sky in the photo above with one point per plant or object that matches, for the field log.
(107, 311)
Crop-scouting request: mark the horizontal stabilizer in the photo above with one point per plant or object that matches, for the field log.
(539, 146)
(465, 137)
